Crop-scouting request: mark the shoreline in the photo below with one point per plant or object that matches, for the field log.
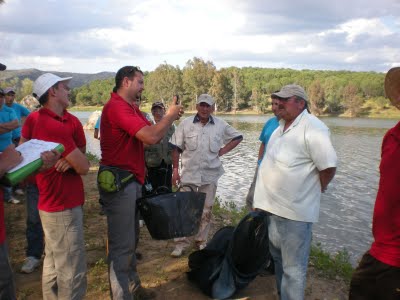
(388, 114)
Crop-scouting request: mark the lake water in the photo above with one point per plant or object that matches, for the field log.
(346, 208)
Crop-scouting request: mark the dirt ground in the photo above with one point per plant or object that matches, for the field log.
(158, 271)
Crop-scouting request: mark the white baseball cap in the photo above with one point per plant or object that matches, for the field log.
(46, 81)
(205, 98)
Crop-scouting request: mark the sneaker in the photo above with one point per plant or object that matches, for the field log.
(19, 192)
(30, 264)
(141, 293)
(178, 252)
(14, 201)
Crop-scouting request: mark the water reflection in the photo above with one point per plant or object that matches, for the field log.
(346, 208)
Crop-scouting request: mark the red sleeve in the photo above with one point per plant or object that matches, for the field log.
(27, 128)
(128, 119)
(79, 136)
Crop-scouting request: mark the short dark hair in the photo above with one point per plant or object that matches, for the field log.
(127, 71)
(273, 96)
(45, 97)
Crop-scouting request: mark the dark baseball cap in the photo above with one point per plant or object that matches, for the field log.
(157, 104)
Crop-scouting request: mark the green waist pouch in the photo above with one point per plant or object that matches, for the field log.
(113, 179)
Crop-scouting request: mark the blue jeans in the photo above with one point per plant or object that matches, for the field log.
(34, 231)
(290, 243)
(7, 190)
(122, 221)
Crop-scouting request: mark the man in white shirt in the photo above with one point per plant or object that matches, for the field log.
(201, 140)
(298, 165)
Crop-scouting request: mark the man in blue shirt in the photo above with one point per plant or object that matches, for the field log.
(8, 122)
(20, 111)
(268, 128)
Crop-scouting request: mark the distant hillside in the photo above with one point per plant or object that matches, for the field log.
(78, 79)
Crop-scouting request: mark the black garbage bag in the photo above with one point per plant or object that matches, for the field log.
(242, 254)
(205, 265)
(172, 215)
(249, 251)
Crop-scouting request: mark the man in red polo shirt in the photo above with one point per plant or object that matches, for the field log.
(123, 131)
(378, 274)
(61, 193)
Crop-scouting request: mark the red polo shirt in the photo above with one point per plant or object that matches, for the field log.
(386, 219)
(120, 121)
(57, 191)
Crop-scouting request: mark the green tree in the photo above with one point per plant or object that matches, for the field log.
(352, 101)
(333, 93)
(239, 89)
(257, 100)
(26, 88)
(164, 82)
(316, 97)
(221, 90)
(197, 77)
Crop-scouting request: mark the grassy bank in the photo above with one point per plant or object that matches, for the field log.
(331, 266)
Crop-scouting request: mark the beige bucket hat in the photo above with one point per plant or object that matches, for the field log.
(392, 86)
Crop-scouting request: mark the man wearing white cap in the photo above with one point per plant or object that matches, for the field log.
(298, 165)
(61, 194)
(378, 273)
(201, 140)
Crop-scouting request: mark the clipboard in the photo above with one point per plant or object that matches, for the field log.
(31, 162)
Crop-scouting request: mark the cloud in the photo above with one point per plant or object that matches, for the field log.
(50, 17)
(103, 35)
(268, 16)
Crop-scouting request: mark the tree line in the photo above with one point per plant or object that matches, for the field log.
(330, 92)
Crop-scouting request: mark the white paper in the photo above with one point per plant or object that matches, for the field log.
(31, 151)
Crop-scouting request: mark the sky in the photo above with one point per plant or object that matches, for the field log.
(87, 36)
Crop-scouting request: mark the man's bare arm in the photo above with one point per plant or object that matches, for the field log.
(8, 126)
(325, 176)
(231, 145)
(153, 134)
(78, 161)
(9, 159)
(261, 151)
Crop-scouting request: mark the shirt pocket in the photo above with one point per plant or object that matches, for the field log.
(215, 143)
(191, 142)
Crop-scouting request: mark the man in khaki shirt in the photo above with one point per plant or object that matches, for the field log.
(200, 140)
